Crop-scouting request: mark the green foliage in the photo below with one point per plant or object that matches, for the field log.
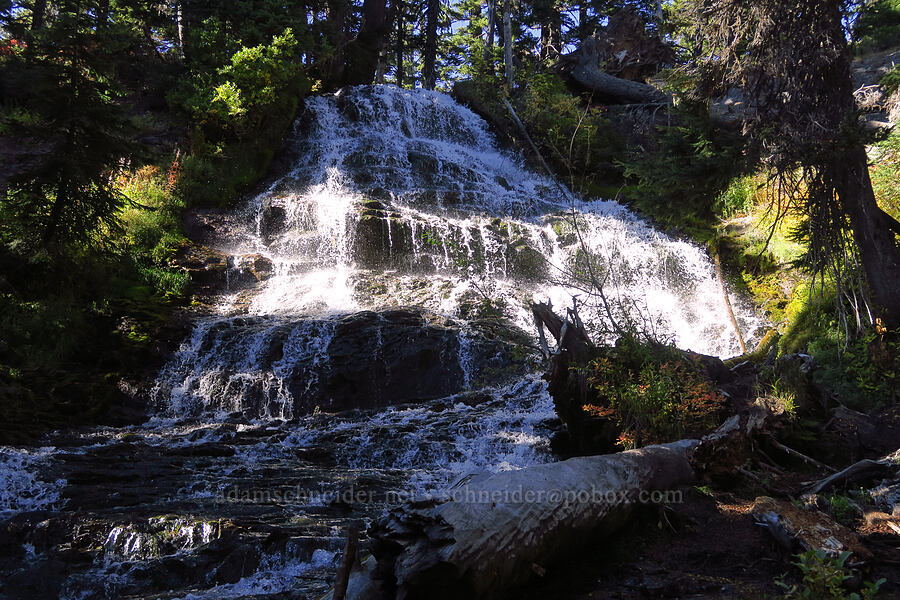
(824, 578)
(738, 198)
(885, 173)
(877, 26)
(891, 81)
(863, 371)
(865, 374)
(843, 510)
(575, 137)
(240, 110)
(681, 182)
(67, 107)
(235, 99)
(654, 392)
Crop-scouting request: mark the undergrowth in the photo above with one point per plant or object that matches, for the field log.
(654, 392)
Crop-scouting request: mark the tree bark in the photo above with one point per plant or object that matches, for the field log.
(508, 42)
(179, 27)
(489, 34)
(38, 13)
(496, 530)
(400, 42)
(363, 52)
(873, 233)
(338, 13)
(429, 59)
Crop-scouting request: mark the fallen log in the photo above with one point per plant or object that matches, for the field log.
(587, 72)
(496, 531)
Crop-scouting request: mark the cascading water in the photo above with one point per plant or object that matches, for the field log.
(384, 351)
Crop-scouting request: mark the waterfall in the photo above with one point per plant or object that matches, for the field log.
(403, 198)
(376, 338)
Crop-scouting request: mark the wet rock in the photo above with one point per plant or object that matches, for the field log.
(209, 225)
(397, 357)
(246, 270)
(272, 222)
(207, 267)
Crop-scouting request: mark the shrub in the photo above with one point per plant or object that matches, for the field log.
(680, 182)
(654, 392)
(824, 578)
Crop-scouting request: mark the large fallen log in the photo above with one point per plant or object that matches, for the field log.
(495, 531)
(587, 72)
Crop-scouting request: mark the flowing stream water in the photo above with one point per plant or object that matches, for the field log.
(375, 342)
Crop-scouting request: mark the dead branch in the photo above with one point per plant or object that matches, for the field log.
(858, 471)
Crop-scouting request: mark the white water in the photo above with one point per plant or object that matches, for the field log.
(21, 486)
(456, 219)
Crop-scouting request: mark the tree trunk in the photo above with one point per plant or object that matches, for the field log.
(429, 66)
(37, 14)
(872, 232)
(363, 52)
(508, 42)
(62, 197)
(489, 33)
(400, 42)
(338, 13)
(554, 40)
(582, 20)
(102, 13)
(179, 26)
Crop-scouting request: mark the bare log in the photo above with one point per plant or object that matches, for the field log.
(489, 533)
(493, 532)
(348, 562)
(587, 72)
(721, 280)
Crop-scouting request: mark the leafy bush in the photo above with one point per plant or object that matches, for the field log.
(654, 392)
(885, 173)
(891, 81)
(235, 99)
(575, 138)
(738, 198)
(824, 578)
(863, 371)
(680, 182)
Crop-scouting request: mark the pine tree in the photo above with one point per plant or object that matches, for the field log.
(67, 79)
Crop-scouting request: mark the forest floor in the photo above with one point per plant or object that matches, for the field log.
(709, 545)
